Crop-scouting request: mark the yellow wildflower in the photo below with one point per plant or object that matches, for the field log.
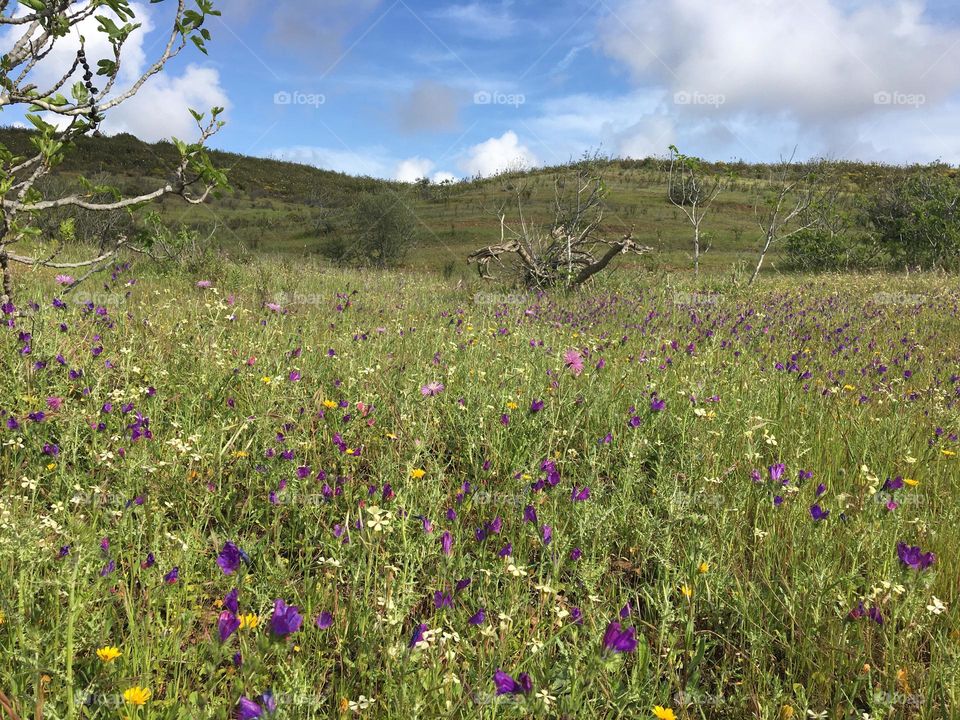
(137, 695)
(249, 621)
(417, 473)
(703, 567)
(663, 713)
(108, 654)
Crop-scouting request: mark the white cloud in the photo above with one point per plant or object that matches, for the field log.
(412, 169)
(814, 59)
(440, 177)
(363, 161)
(497, 155)
(754, 78)
(622, 125)
(161, 107)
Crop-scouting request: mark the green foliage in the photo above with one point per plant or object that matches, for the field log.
(916, 220)
(384, 230)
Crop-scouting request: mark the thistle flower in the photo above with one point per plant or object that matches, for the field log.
(431, 389)
(574, 361)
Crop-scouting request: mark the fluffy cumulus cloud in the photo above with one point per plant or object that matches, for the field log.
(497, 155)
(412, 169)
(816, 58)
(840, 74)
(160, 109)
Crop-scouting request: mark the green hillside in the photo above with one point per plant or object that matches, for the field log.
(294, 209)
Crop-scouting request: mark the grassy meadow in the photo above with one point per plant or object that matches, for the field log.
(649, 499)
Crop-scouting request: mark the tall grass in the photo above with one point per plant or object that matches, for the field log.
(300, 433)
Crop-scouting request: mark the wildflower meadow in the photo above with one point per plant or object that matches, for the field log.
(401, 497)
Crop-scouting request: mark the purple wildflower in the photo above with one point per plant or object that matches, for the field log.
(227, 625)
(913, 557)
(506, 685)
(286, 619)
(616, 639)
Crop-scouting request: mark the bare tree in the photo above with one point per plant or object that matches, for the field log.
(785, 206)
(38, 27)
(568, 252)
(693, 191)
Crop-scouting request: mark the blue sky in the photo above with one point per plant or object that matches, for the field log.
(412, 88)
